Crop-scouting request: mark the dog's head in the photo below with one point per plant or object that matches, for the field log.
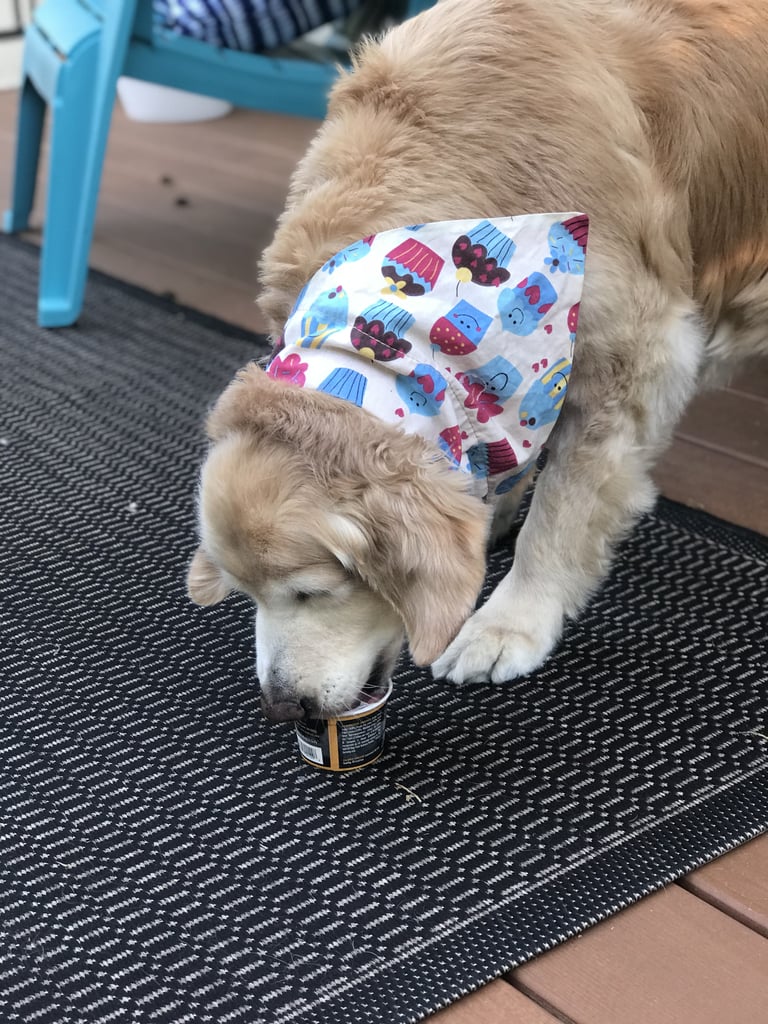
(347, 534)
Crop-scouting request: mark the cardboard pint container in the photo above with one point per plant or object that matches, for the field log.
(351, 741)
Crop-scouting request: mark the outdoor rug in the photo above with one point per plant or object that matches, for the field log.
(164, 854)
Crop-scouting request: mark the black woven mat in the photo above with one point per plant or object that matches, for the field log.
(164, 855)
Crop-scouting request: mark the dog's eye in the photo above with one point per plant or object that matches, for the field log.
(302, 596)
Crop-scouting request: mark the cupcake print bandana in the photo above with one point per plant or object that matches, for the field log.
(460, 331)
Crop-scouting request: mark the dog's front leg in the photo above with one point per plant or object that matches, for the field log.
(583, 501)
(596, 482)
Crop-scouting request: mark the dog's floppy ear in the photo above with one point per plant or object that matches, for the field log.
(435, 573)
(205, 583)
(424, 552)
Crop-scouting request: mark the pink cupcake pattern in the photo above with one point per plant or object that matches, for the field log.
(411, 268)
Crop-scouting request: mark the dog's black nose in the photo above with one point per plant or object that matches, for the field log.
(311, 710)
(282, 710)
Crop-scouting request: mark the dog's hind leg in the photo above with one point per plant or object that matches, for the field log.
(741, 335)
(633, 375)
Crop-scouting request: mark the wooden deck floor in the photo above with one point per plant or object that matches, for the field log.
(186, 210)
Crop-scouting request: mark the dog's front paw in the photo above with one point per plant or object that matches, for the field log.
(494, 648)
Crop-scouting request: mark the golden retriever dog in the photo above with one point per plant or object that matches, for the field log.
(651, 116)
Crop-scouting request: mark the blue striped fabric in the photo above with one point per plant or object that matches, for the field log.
(250, 25)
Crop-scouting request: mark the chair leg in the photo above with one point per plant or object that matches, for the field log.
(64, 260)
(82, 111)
(31, 117)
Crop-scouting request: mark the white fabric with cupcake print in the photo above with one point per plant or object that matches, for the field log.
(460, 331)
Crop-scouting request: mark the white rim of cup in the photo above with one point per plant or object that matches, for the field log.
(365, 709)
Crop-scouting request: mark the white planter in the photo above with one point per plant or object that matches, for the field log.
(14, 15)
(10, 63)
(145, 101)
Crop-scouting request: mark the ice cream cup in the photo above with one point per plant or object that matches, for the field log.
(350, 741)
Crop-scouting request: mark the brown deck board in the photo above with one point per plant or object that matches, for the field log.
(737, 885)
(669, 959)
(674, 958)
(752, 379)
(186, 283)
(717, 482)
(233, 172)
(496, 1003)
(729, 422)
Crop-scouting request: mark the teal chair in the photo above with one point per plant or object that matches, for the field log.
(74, 52)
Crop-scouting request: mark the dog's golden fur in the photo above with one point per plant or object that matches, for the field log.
(650, 115)
(289, 492)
